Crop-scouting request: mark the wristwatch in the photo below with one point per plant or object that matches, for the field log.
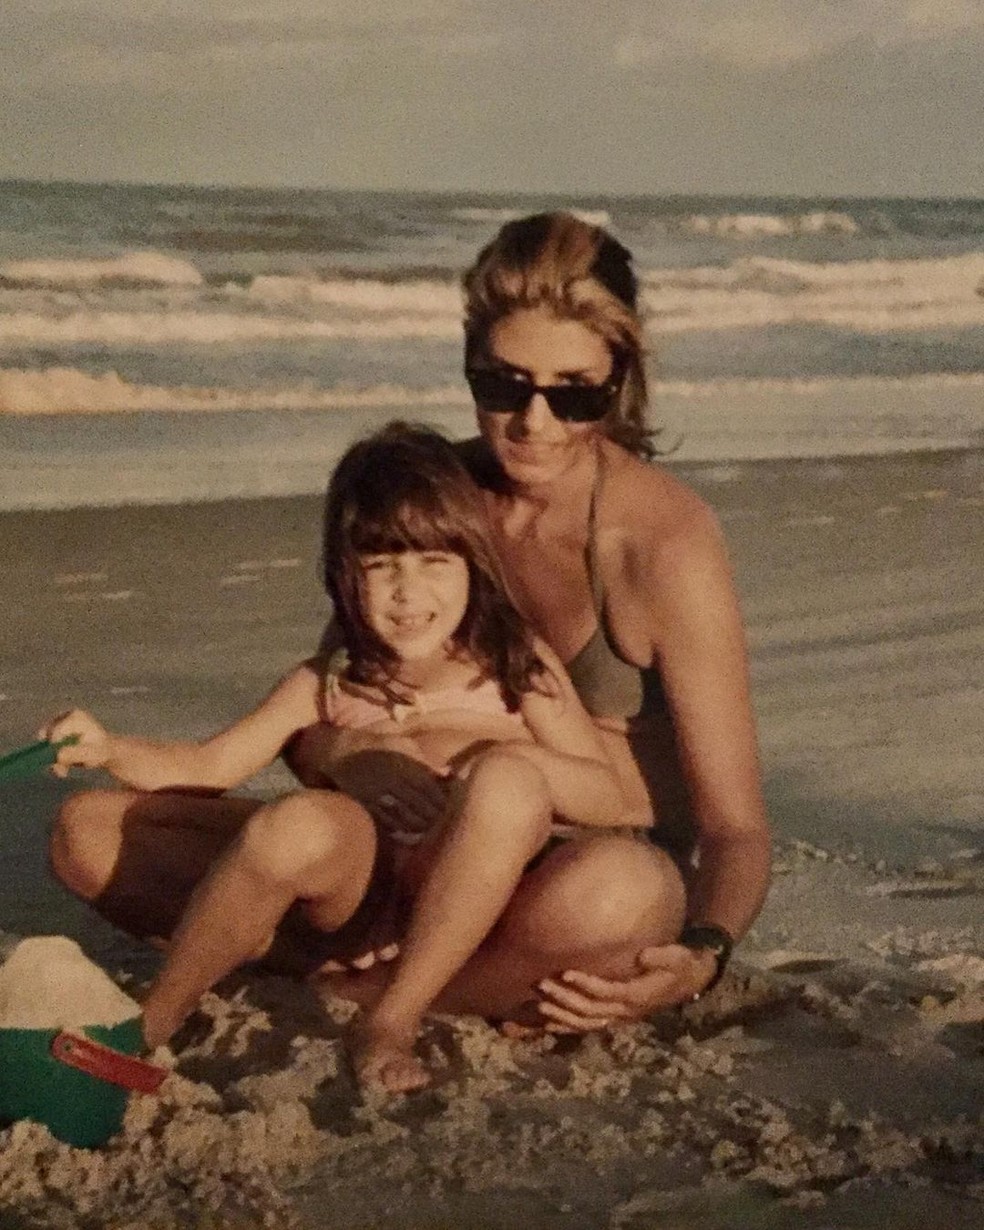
(713, 939)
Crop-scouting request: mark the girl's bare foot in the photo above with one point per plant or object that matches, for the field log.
(383, 1057)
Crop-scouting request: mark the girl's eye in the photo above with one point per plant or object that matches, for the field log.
(373, 563)
(437, 557)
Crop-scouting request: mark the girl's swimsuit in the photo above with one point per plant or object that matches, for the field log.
(354, 709)
(299, 947)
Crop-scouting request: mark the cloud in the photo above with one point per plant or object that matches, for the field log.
(774, 34)
(107, 44)
(634, 95)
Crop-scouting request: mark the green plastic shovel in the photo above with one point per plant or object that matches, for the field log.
(31, 759)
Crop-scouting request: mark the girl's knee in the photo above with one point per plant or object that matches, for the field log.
(289, 838)
(511, 791)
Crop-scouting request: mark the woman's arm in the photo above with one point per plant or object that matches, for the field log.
(704, 667)
(569, 751)
(216, 763)
(687, 589)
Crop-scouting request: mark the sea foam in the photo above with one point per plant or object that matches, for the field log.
(66, 390)
(755, 226)
(133, 269)
(362, 294)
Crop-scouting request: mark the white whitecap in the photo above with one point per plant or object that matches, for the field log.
(134, 268)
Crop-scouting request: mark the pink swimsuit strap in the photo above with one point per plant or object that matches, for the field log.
(350, 710)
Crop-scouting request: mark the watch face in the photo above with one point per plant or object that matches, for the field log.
(715, 939)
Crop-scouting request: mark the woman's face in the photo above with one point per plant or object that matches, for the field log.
(532, 445)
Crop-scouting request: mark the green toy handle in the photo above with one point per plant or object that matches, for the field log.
(26, 761)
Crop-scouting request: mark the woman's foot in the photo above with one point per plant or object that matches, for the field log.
(383, 1057)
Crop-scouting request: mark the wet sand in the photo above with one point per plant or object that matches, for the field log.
(835, 1079)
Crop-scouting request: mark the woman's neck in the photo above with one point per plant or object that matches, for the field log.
(549, 507)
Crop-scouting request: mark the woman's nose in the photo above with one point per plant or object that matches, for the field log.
(537, 417)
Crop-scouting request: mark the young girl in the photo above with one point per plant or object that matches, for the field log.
(438, 670)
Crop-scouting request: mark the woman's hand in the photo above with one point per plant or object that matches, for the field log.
(669, 975)
(93, 748)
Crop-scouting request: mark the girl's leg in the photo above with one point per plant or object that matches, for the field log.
(591, 904)
(317, 847)
(502, 821)
(216, 874)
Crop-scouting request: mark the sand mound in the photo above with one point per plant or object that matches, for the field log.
(47, 982)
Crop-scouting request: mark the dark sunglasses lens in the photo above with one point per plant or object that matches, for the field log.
(579, 403)
(499, 393)
(573, 403)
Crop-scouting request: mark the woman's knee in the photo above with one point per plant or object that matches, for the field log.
(602, 892)
(304, 755)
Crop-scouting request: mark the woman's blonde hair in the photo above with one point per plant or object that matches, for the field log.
(579, 272)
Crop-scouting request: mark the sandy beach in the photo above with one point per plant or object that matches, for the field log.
(834, 1079)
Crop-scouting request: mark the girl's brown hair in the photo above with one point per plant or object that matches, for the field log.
(404, 489)
(579, 272)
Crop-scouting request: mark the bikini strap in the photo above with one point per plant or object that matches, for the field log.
(591, 548)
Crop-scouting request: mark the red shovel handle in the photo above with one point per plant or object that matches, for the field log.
(107, 1064)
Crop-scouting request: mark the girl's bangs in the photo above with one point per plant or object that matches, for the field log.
(406, 527)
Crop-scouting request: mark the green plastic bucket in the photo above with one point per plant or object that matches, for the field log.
(76, 1083)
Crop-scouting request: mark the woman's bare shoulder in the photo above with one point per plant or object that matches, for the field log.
(657, 516)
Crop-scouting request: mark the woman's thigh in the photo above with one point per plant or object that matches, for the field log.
(138, 857)
(590, 903)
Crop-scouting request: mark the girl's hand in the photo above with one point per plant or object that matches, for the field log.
(94, 746)
(669, 975)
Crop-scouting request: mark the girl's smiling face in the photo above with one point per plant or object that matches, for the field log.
(414, 601)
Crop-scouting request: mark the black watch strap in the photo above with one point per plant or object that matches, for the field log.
(714, 939)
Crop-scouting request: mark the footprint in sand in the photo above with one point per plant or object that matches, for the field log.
(239, 578)
(785, 961)
(260, 565)
(931, 493)
(817, 519)
(115, 595)
(924, 890)
(249, 570)
(81, 578)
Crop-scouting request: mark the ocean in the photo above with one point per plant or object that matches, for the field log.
(171, 344)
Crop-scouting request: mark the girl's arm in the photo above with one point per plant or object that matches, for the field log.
(217, 763)
(568, 750)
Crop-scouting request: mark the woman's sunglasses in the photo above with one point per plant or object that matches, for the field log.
(503, 393)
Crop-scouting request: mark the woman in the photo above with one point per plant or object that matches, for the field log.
(622, 569)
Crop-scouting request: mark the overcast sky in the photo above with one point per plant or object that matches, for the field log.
(757, 96)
